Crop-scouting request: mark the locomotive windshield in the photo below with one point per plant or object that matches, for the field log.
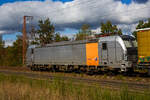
(131, 45)
(129, 41)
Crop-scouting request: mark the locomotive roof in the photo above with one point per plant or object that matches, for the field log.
(113, 38)
(71, 42)
(107, 38)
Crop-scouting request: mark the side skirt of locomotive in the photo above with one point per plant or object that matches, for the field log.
(80, 69)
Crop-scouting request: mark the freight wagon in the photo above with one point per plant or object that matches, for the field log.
(143, 38)
(111, 52)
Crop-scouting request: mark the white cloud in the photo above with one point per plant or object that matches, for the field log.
(128, 28)
(9, 43)
(97, 30)
(73, 14)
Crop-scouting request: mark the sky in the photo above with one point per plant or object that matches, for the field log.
(12, 1)
(69, 15)
(126, 1)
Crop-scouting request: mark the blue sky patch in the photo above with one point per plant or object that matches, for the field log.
(11, 1)
(63, 0)
(130, 1)
(126, 1)
(11, 37)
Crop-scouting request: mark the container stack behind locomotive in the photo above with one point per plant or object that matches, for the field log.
(117, 52)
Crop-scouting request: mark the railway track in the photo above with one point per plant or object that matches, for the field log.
(114, 84)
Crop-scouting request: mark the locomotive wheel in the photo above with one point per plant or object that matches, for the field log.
(32, 68)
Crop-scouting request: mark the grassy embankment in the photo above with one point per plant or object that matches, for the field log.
(81, 75)
(22, 88)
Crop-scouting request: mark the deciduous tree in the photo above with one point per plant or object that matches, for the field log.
(140, 25)
(1, 51)
(45, 33)
(59, 38)
(12, 55)
(83, 33)
(108, 28)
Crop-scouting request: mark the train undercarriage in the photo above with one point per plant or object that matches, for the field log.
(92, 70)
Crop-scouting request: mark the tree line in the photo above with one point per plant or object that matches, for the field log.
(46, 32)
(12, 55)
(140, 25)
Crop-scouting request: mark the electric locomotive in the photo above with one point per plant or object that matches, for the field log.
(110, 52)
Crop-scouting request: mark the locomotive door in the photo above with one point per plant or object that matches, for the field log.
(92, 54)
(104, 53)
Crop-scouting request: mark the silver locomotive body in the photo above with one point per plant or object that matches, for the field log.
(117, 52)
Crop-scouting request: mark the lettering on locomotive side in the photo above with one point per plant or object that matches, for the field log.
(92, 54)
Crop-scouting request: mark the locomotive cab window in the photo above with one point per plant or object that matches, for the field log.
(104, 46)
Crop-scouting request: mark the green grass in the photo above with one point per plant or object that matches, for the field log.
(23, 88)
